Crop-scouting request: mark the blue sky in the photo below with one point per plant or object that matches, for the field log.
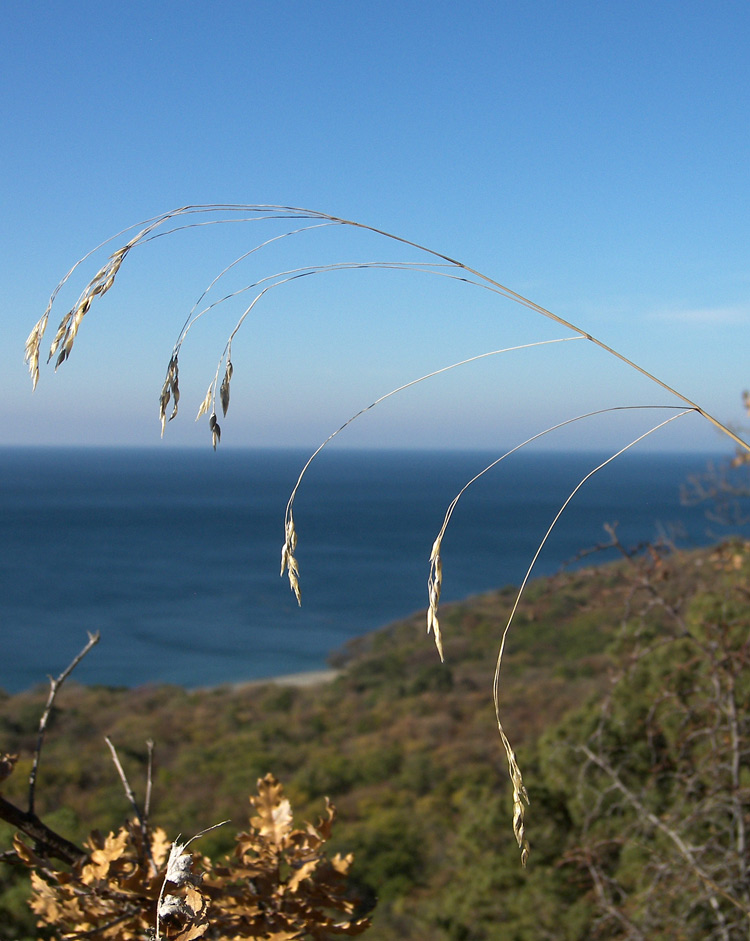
(591, 156)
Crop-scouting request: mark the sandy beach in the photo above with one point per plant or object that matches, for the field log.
(307, 678)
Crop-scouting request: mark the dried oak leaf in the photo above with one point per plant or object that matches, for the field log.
(273, 819)
(26, 854)
(44, 901)
(103, 857)
(161, 846)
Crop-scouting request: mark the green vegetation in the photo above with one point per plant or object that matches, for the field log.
(626, 689)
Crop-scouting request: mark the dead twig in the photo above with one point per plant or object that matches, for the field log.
(55, 685)
(133, 803)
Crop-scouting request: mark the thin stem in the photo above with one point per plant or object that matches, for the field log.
(287, 212)
(496, 680)
(293, 274)
(407, 385)
(682, 847)
(536, 437)
(134, 804)
(524, 301)
(435, 578)
(229, 267)
(55, 685)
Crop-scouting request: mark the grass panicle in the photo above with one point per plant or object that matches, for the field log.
(288, 561)
(439, 264)
(401, 388)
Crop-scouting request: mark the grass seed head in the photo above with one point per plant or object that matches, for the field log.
(520, 798)
(33, 342)
(59, 335)
(206, 403)
(170, 390)
(215, 430)
(288, 561)
(434, 585)
(224, 390)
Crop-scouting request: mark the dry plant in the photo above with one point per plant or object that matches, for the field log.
(279, 885)
(436, 265)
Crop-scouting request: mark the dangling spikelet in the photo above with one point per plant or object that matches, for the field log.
(206, 403)
(31, 355)
(224, 390)
(288, 562)
(170, 389)
(434, 584)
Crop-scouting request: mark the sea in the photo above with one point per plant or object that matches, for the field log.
(174, 556)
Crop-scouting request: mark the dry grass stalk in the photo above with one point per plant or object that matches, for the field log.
(388, 395)
(435, 579)
(279, 279)
(519, 791)
(98, 286)
(448, 266)
(103, 281)
(206, 403)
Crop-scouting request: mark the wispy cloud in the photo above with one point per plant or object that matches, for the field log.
(705, 316)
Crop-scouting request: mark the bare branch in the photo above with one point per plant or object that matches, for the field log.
(133, 803)
(683, 849)
(55, 685)
(51, 843)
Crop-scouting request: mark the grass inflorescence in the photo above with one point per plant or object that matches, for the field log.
(427, 261)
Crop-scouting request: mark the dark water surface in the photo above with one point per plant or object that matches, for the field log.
(174, 555)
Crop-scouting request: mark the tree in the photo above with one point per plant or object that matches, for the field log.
(660, 769)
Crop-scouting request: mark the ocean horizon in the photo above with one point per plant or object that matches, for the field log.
(173, 555)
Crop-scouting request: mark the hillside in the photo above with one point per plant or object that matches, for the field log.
(408, 751)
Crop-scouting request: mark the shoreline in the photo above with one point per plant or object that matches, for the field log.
(304, 679)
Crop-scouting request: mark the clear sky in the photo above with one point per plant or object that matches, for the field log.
(592, 156)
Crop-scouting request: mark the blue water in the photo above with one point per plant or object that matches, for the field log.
(174, 555)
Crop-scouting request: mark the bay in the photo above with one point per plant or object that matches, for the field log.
(174, 555)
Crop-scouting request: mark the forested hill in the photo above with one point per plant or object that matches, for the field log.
(625, 691)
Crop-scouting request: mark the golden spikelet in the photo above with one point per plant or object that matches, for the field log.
(215, 430)
(288, 561)
(99, 285)
(434, 585)
(33, 342)
(170, 389)
(206, 403)
(224, 389)
(520, 797)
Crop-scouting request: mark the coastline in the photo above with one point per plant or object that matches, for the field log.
(305, 679)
